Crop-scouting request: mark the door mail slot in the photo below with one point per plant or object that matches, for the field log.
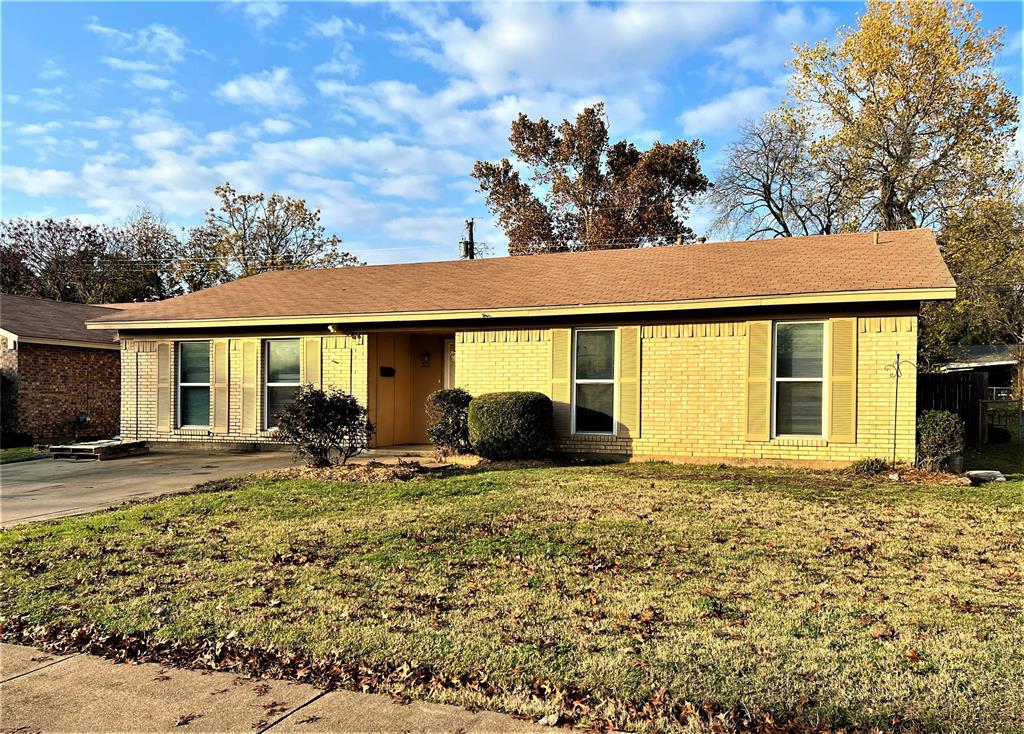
(387, 371)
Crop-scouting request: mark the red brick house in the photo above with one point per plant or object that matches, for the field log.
(61, 381)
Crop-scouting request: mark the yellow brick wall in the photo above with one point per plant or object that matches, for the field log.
(344, 365)
(503, 359)
(693, 390)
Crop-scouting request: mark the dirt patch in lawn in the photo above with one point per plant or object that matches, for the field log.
(373, 471)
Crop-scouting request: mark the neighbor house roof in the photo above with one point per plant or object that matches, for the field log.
(983, 355)
(888, 265)
(42, 321)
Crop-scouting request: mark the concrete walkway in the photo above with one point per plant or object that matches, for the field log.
(82, 693)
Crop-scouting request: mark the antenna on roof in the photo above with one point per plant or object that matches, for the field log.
(467, 247)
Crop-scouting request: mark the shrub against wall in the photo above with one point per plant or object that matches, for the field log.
(940, 437)
(326, 426)
(448, 411)
(510, 425)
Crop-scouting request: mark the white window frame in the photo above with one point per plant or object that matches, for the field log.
(614, 382)
(267, 384)
(207, 385)
(823, 379)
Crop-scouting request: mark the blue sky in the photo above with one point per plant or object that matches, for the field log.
(374, 113)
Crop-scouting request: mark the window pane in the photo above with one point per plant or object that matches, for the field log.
(278, 398)
(195, 361)
(283, 361)
(595, 408)
(799, 350)
(799, 409)
(195, 406)
(595, 355)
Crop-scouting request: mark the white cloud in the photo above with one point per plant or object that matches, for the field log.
(338, 66)
(151, 82)
(261, 13)
(101, 122)
(335, 27)
(156, 40)
(51, 70)
(158, 139)
(129, 65)
(272, 88)
(458, 112)
(277, 127)
(37, 182)
(573, 46)
(94, 26)
(771, 45)
(726, 112)
(408, 186)
(371, 155)
(160, 41)
(38, 128)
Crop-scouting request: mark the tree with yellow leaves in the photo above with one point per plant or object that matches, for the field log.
(909, 102)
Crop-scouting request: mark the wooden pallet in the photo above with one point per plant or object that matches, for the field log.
(99, 450)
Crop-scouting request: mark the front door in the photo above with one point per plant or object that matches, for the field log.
(404, 370)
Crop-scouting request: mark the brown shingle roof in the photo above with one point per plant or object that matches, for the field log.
(798, 265)
(40, 318)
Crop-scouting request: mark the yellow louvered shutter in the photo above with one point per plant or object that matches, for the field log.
(759, 380)
(250, 414)
(629, 382)
(164, 385)
(843, 381)
(219, 386)
(312, 351)
(561, 380)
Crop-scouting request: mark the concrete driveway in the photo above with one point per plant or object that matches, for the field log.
(45, 488)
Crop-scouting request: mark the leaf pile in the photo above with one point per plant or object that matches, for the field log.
(373, 471)
(572, 705)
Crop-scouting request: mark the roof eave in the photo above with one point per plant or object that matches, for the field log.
(840, 297)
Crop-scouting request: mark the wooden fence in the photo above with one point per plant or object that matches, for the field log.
(958, 392)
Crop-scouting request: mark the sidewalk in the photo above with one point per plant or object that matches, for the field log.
(83, 693)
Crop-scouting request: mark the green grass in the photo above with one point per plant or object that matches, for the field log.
(804, 595)
(21, 453)
(1006, 457)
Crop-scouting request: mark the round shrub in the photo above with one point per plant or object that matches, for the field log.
(510, 425)
(448, 411)
(940, 437)
(326, 426)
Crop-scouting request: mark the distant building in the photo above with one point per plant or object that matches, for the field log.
(60, 379)
(998, 361)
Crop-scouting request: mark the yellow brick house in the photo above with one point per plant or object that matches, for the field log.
(759, 350)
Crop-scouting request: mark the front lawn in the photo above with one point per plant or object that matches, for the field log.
(636, 596)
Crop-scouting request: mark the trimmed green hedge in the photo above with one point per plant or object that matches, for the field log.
(511, 425)
(449, 426)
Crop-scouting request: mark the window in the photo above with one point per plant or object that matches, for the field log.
(281, 357)
(799, 378)
(594, 381)
(193, 384)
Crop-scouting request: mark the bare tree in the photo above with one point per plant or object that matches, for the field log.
(770, 185)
